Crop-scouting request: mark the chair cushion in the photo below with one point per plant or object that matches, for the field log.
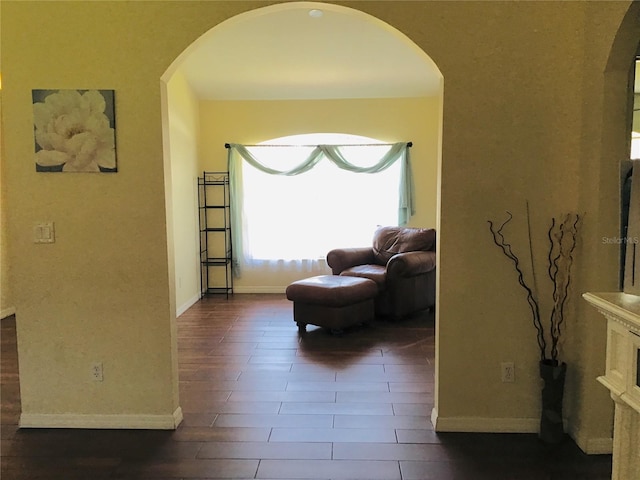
(377, 273)
(389, 241)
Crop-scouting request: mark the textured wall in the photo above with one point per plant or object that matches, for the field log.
(529, 89)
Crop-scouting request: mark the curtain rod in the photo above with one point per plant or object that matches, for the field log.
(409, 144)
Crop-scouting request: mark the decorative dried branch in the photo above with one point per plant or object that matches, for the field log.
(533, 268)
(500, 241)
(563, 240)
(562, 237)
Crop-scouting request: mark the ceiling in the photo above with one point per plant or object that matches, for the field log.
(307, 50)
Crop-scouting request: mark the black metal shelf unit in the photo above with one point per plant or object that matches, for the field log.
(214, 211)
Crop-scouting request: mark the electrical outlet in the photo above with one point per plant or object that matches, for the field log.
(44, 232)
(508, 372)
(97, 373)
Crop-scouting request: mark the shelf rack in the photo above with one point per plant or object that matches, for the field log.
(216, 248)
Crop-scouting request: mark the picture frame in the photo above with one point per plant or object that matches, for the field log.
(74, 131)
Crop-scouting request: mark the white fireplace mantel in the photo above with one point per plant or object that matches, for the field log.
(622, 376)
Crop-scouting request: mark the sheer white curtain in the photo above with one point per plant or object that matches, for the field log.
(291, 222)
(635, 145)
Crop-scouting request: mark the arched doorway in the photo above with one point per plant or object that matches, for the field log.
(608, 112)
(247, 80)
(622, 83)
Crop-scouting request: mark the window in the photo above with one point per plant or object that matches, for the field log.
(304, 216)
(635, 145)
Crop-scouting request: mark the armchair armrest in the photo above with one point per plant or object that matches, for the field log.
(409, 264)
(340, 259)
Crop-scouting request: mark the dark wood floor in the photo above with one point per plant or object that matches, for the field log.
(259, 402)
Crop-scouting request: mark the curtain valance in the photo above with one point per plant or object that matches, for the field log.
(398, 152)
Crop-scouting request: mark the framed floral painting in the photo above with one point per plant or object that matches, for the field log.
(74, 130)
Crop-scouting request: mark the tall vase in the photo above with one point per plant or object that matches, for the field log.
(551, 424)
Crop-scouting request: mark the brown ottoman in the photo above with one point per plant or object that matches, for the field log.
(332, 301)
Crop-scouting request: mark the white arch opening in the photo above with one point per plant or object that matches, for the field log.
(289, 53)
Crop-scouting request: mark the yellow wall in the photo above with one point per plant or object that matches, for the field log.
(390, 120)
(100, 293)
(529, 113)
(603, 146)
(6, 301)
(183, 120)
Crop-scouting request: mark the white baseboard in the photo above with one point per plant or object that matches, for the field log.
(259, 289)
(598, 446)
(7, 312)
(187, 305)
(69, 420)
(484, 425)
(591, 446)
(177, 417)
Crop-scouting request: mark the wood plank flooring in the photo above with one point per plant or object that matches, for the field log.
(262, 403)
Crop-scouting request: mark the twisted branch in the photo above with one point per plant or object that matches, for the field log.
(500, 241)
(560, 273)
(562, 237)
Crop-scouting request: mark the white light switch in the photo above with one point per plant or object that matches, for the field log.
(44, 233)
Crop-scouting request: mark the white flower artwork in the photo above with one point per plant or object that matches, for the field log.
(74, 130)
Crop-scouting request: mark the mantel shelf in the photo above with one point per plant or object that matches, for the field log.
(622, 376)
(622, 307)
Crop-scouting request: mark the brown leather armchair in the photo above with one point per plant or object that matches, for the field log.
(402, 262)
